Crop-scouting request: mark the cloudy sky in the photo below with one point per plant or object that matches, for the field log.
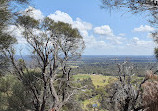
(104, 32)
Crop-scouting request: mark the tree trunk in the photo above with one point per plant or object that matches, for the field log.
(126, 107)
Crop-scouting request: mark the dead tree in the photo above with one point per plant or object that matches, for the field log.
(125, 94)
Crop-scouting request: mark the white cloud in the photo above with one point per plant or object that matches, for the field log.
(150, 35)
(106, 32)
(61, 16)
(137, 46)
(145, 28)
(136, 42)
(34, 13)
(122, 34)
(103, 30)
(106, 43)
(82, 26)
(17, 33)
(91, 42)
(115, 39)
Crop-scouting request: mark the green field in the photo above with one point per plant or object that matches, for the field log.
(98, 81)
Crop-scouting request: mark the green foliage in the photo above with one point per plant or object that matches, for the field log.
(20, 98)
(68, 39)
(62, 28)
(21, 1)
(6, 85)
(81, 76)
(102, 96)
(98, 80)
(8, 12)
(89, 106)
(14, 94)
(32, 78)
(27, 22)
(72, 105)
(84, 95)
(6, 16)
(88, 83)
(95, 92)
(5, 40)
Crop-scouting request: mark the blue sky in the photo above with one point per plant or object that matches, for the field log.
(105, 33)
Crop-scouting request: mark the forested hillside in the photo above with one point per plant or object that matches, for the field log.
(74, 55)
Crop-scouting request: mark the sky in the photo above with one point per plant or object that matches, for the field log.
(105, 32)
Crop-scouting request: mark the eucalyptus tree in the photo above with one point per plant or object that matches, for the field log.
(53, 45)
(8, 11)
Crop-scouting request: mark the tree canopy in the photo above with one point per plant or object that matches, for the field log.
(9, 10)
(7, 13)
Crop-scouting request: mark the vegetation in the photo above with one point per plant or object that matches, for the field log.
(55, 79)
(9, 9)
(54, 45)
